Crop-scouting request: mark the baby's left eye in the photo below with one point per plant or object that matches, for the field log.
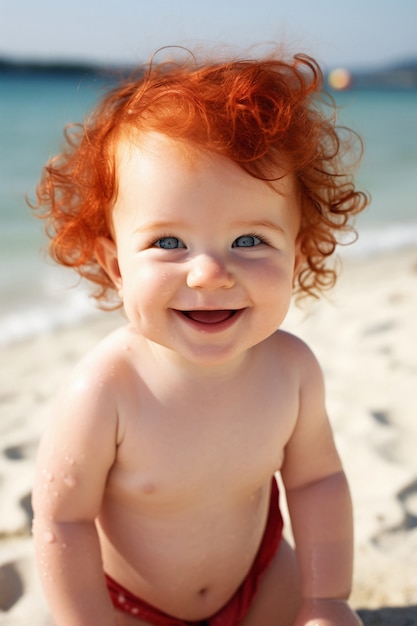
(246, 241)
(169, 243)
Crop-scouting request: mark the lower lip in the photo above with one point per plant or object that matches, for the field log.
(217, 327)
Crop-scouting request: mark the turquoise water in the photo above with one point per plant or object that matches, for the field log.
(33, 111)
(387, 123)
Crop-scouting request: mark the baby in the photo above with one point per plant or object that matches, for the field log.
(201, 197)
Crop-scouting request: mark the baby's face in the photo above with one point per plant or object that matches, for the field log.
(204, 254)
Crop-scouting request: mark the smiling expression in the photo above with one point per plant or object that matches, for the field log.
(204, 255)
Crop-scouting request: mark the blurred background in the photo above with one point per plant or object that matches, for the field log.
(54, 62)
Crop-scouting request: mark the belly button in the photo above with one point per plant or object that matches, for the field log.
(203, 591)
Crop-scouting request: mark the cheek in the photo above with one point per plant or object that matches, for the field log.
(147, 284)
(271, 280)
(274, 294)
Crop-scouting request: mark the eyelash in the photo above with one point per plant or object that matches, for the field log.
(262, 238)
(167, 236)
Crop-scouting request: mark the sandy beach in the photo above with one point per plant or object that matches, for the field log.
(365, 336)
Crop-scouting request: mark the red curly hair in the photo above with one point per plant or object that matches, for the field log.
(261, 114)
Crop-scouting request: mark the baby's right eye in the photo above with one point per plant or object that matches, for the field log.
(169, 243)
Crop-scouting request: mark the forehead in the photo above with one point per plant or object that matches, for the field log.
(153, 155)
(138, 154)
(156, 171)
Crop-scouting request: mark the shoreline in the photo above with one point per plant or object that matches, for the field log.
(41, 297)
(364, 335)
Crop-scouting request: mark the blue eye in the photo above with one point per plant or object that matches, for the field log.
(169, 243)
(246, 241)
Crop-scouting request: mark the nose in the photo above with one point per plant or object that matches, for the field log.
(209, 272)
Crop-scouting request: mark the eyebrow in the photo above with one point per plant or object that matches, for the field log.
(238, 225)
(259, 224)
(154, 226)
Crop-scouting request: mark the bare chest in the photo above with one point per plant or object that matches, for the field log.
(180, 444)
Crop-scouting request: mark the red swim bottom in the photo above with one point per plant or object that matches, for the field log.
(238, 605)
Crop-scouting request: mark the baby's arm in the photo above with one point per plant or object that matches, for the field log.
(320, 507)
(74, 459)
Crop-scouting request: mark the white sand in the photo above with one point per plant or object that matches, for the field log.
(366, 340)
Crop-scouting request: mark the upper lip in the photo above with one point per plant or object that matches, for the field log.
(210, 308)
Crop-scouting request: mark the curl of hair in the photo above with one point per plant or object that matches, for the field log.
(262, 114)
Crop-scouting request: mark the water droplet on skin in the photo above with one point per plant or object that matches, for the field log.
(69, 480)
(49, 477)
(49, 537)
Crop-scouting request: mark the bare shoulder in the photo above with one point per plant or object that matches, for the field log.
(105, 353)
(310, 453)
(88, 396)
(305, 371)
(296, 352)
(79, 445)
(100, 368)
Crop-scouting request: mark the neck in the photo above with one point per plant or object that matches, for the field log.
(198, 372)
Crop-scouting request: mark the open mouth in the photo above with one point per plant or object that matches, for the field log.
(210, 317)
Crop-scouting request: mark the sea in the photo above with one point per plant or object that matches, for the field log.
(38, 297)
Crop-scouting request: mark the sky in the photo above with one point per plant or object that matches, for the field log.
(348, 33)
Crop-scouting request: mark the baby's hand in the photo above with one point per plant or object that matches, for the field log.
(326, 613)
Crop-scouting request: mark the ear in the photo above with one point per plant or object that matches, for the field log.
(106, 255)
(298, 259)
